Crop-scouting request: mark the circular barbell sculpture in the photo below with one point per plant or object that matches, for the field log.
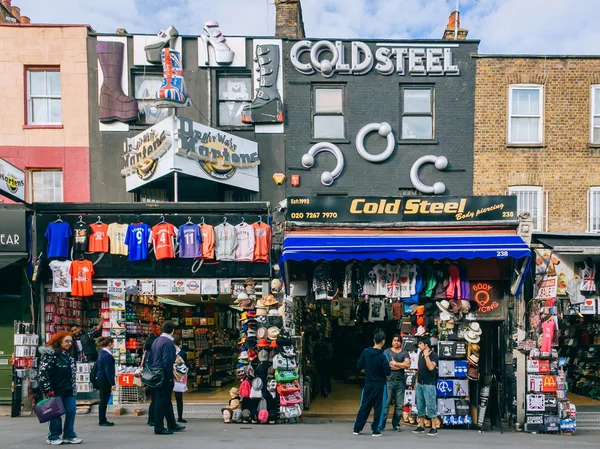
(440, 163)
(385, 130)
(325, 66)
(327, 177)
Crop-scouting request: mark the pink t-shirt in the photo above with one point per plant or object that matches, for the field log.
(547, 335)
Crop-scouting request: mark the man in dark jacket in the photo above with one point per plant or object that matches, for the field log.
(163, 357)
(377, 367)
(84, 347)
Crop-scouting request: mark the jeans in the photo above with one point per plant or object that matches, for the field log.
(55, 427)
(395, 391)
(105, 390)
(426, 400)
(163, 407)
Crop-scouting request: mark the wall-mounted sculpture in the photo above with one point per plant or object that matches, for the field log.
(327, 177)
(172, 92)
(385, 130)
(440, 163)
(114, 104)
(267, 106)
(165, 39)
(214, 38)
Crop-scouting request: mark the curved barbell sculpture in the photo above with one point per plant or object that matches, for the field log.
(327, 177)
(385, 130)
(440, 163)
(325, 66)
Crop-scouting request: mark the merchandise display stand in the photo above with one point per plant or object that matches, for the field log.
(24, 363)
(452, 385)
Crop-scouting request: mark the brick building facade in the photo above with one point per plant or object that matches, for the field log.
(551, 168)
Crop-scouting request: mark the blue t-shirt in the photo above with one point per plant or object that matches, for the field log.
(190, 241)
(58, 234)
(137, 239)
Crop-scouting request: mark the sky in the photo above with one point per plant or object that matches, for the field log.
(503, 26)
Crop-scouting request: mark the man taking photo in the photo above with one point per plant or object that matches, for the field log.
(399, 360)
(426, 387)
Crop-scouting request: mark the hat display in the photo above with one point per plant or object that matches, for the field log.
(234, 392)
(252, 354)
(236, 416)
(444, 306)
(420, 311)
(246, 304)
(261, 311)
(273, 312)
(263, 343)
(454, 306)
(234, 404)
(273, 333)
(246, 416)
(263, 355)
(465, 306)
(472, 337)
(445, 316)
(241, 297)
(261, 333)
(226, 412)
(260, 304)
(249, 282)
(244, 316)
(475, 327)
(421, 331)
(251, 313)
(243, 355)
(273, 344)
(276, 286)
(473, 359)
(269, 300)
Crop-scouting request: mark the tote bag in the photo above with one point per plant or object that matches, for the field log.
(49, 408)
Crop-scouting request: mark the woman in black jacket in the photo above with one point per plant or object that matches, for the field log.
(57, 378)
(105, 377)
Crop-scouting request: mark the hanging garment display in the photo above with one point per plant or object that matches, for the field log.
(588, 275)
(163, 240)
(262, 241)
(244, 251)
(370, 279)
(376, 310)
(392, 281)
(61, 277)
(380, 271)
(454, 286)
(81, 272)
(323, 284)
(81, 232)
(138, 239)
(116, 235)
(190, 241)
(348, 271)
(225, 242)
(547, 335)
(208, 241)
(58, 234)
(98, 238)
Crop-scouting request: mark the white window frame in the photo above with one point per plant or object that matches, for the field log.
(315, 113)
(593, 209)
(46, 96)
(593, 88)
(431, 112)
(30, 189)
(538, 192)
(514, 87)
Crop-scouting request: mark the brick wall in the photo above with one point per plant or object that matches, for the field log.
(566, 164)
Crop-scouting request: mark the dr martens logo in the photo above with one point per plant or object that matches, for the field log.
(12, 183)
(143, 154)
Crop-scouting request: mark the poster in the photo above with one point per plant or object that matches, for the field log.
(163, 286)
(210, 287)
(536, 402)
(116, 304)
(225, 286)
(147, 287)
(588, 307)
(116, 287)
(193, 287)
(177, 287)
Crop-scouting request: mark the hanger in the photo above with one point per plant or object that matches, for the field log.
(224, 220)
(81, 219)
(243, 221)
(58, 219)
(119, 219)
(162, 219)
(260, 218)
(202, 221)
(99, 220)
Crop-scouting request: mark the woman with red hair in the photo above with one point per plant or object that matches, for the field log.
(57, 378)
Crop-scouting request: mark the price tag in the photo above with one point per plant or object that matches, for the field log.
(125, 380)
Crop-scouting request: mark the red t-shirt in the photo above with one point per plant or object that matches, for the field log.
(81, 272)
(262, 242)
(163, 235)
(98, 239)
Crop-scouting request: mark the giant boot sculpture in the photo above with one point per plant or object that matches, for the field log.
(114, 104)
(172, 92)
(267, 106)
(165, 39)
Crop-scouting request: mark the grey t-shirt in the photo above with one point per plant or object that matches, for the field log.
(399, 357)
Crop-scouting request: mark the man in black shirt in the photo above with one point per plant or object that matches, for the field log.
(426, 386)
(399, 360)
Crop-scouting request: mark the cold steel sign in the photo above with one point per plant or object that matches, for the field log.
(402, 209)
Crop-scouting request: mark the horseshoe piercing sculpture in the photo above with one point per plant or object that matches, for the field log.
(385, 130)
(440, 163)
(325, 66)
(327, 177)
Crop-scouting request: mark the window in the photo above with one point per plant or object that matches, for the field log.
(235, 92)
(417, 113)
(594, 209)
(151, 195)
(525, 105)
(595, 125)
(46, 186)
(145, 88)
(328, 113)
(44, 105)
(530, 199)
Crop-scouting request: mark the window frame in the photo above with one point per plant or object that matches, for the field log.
(230, 74)
(314, 113)
(431, 112)
(593, 88)
(28, 103)
(30, 184)
(592, 191)
(538, 222)
(540, 88)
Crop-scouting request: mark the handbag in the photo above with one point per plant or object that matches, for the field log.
(153, 377)
(49, 408)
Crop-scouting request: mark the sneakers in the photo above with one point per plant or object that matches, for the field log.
(397, 429)
(355, 433)
(54, 442)
(376, 434)
(419, 430)
(72, 440)
(432, 432)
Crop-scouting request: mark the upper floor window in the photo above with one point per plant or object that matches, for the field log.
(594, 209)
(44, 104)
(417, 113)
(525, 108)
(145, 87)
(235, 92)
(530, 199)
(328, 121)
(595, 116)
(46, 186)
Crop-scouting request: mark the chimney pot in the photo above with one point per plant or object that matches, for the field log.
(6, 4)
(288, 19)
(16, 12)
(25, 20)
(454, 20)
(453, 30)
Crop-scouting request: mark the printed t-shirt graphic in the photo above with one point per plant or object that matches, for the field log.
(98, 240)
(116, 234)
(81, 232)
(208, 241)
(370, 286)
(81, 272)
(244, 251)
(190, 241)
(163, 235)
(262, 241)
(58, 234)
(61, 277)
(137, 240)
(380, 272)
(392, 281)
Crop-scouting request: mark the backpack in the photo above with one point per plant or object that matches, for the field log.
(283, 363)
(93, 375)
(286, 376)
(290, 399)
(288, 388)
(292, 411)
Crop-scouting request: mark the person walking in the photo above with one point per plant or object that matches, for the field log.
(426, 386)
(399, 361)
(57, 379)
(105, 378)
(163, 358)
(151, 391)
(180, 374)
(377, 367)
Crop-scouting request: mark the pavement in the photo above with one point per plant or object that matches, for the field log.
(133, 433)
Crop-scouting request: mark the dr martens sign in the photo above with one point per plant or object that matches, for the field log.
(402, 209)
(357, 58)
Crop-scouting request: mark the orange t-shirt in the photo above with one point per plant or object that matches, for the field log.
(81, 272)
(163, 235)
(262, 242)
(208, 241)
(98, 239)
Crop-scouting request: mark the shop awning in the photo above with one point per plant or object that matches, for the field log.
(313, 247)
(574, 243)
(8, 258)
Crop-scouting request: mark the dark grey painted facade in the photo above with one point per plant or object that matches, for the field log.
(106, 148)
(373, 97)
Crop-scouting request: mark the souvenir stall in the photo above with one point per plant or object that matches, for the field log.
(352, 276)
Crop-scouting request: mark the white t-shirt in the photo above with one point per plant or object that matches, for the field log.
(244, 252)
(116, 234)
(61, 279)
(380, 274)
